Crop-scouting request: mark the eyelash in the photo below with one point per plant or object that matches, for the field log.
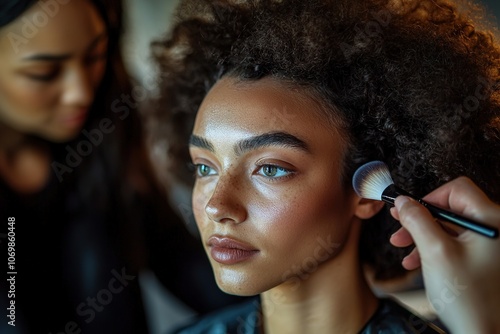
(54, 73)
(289, 173)
(195, 168)
(44, 77)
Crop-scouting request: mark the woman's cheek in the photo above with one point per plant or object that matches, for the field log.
(277, 215)
(200, 198)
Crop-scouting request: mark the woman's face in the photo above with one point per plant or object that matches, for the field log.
(268, 198)
(53, 59)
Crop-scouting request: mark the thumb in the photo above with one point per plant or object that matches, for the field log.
(418, 221)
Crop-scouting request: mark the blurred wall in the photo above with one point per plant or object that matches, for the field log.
(493, 8)
(145, 20)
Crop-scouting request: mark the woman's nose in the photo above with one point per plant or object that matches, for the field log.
(78, 90)
(225, 204)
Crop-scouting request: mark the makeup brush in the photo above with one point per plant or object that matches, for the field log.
(373, 181)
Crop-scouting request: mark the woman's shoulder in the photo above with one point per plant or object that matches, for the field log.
(391, 317)
(244, 318)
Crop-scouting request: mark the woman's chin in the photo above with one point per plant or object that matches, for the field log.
(234, 284)
(61, 136)
(238, 291)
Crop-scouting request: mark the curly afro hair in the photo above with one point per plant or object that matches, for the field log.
(416, 84)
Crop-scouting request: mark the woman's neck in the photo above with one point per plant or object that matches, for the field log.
(335, 298)
(24, 163)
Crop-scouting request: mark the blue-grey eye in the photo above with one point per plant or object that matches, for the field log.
(204, 170)
(273, 171)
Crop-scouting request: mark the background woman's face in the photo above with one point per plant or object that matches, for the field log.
(268, 198)
(51, 66)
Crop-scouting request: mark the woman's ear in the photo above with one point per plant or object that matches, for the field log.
(367, 208)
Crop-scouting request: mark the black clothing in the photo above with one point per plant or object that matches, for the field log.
(79, 250)
(71, 274)
(390, 318)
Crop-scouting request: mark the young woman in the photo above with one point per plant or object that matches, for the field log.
(280, 102)
(84, 212)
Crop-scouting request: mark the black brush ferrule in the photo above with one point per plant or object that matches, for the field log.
(390, 194)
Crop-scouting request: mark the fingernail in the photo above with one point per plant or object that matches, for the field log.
(400, 201)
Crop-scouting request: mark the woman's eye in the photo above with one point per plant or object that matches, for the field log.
(43, 77)
(204, 170)
(273, 171)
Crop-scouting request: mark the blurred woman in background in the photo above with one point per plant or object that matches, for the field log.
(74, 177)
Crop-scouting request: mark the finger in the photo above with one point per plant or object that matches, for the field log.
(451, 229)
(401, 238)
(412, 261)
(394, 213)
(418, 221)
(462, 196)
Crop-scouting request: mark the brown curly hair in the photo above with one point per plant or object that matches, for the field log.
(416, 84)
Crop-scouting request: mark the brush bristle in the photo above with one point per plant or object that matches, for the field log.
(371, 179)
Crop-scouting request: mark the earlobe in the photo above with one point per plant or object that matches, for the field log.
(367, 208)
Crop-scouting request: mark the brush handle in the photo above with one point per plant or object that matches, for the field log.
(389, 196)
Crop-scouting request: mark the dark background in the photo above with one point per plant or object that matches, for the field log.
(493, 9)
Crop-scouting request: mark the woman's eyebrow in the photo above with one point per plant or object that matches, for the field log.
(281, 139)
(47, 57)
(200, 142)
(60, 57)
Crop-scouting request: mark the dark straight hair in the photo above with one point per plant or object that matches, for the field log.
(12, 9)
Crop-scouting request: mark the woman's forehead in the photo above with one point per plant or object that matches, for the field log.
(234, 110)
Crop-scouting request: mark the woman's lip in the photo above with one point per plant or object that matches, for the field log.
(229, 251)
(75, 119)
(227, 242)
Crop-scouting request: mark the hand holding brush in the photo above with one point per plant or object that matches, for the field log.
(461, 274)
(373, 181)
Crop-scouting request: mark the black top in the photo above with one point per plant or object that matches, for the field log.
(390, 318)
(78, 259)
(70, 273)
